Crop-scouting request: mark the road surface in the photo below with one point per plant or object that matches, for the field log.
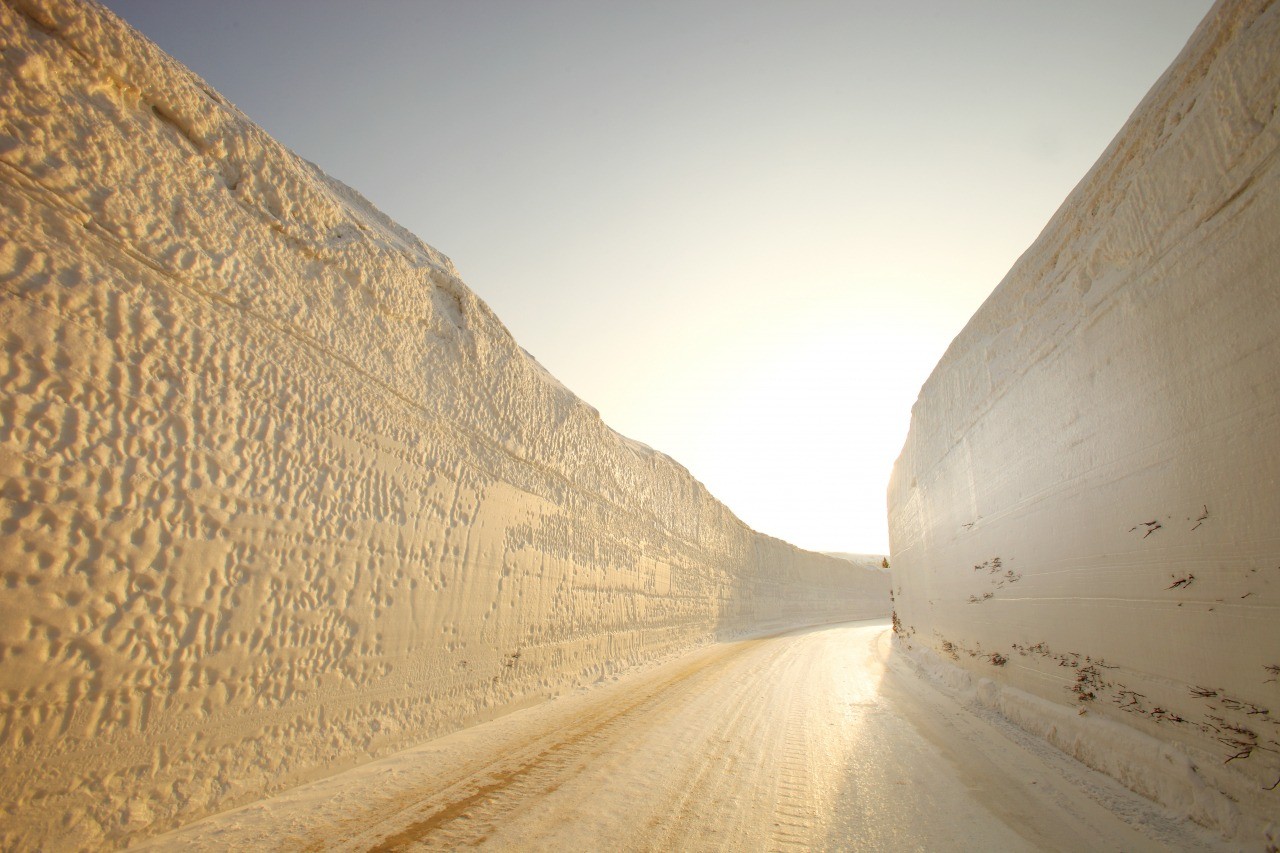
(821, 739)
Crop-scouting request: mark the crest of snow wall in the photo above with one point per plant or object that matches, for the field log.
(279, 494)
(1087, 506)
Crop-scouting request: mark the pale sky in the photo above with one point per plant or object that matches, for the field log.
(743, 231)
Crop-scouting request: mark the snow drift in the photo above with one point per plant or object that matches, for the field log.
(279, 493)
(1087, 507)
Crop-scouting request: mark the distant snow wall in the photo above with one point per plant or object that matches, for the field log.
(1087, 507)
(277, 492)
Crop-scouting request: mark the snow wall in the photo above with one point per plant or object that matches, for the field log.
(279, 493)
(1087, 506)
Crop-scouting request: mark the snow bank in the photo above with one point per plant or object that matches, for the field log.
(1087, 507)
(278, 493)
(1146, 764)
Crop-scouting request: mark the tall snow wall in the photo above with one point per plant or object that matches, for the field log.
(1087, 506)
(279, 493)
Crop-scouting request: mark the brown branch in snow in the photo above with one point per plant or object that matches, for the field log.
(1151, 526)
(1244, 753)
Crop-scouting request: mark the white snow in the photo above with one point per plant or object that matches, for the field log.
(1086, 506)
(875, 562)
(280, 494)
(820, 739)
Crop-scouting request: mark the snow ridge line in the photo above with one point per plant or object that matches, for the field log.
(279, 494)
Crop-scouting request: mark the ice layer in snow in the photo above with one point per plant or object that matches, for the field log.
(1087, 507)
(279, 493)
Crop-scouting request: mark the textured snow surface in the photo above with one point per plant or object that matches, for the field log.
(279, 493)
(1087, 507)
(818, 739)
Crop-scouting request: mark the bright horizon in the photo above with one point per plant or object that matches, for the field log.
(745, 233)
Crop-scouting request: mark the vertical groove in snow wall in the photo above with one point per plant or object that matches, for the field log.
(1087, 507)
(279, 493)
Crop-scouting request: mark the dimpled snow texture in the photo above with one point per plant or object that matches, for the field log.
(280, 493)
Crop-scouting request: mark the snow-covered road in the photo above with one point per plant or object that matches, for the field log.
(817, 739)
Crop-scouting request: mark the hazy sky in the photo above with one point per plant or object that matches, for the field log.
(744, 231)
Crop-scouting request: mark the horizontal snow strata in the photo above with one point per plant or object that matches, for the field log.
(278, 493)
(1087, 504)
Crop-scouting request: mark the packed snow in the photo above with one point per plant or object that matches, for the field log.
(820, 739)
(1085, 510)
(280, 494)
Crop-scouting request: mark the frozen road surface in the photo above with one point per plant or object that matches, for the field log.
(812, 740)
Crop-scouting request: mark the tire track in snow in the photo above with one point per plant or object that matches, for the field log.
(465, 812)
(822, 739)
